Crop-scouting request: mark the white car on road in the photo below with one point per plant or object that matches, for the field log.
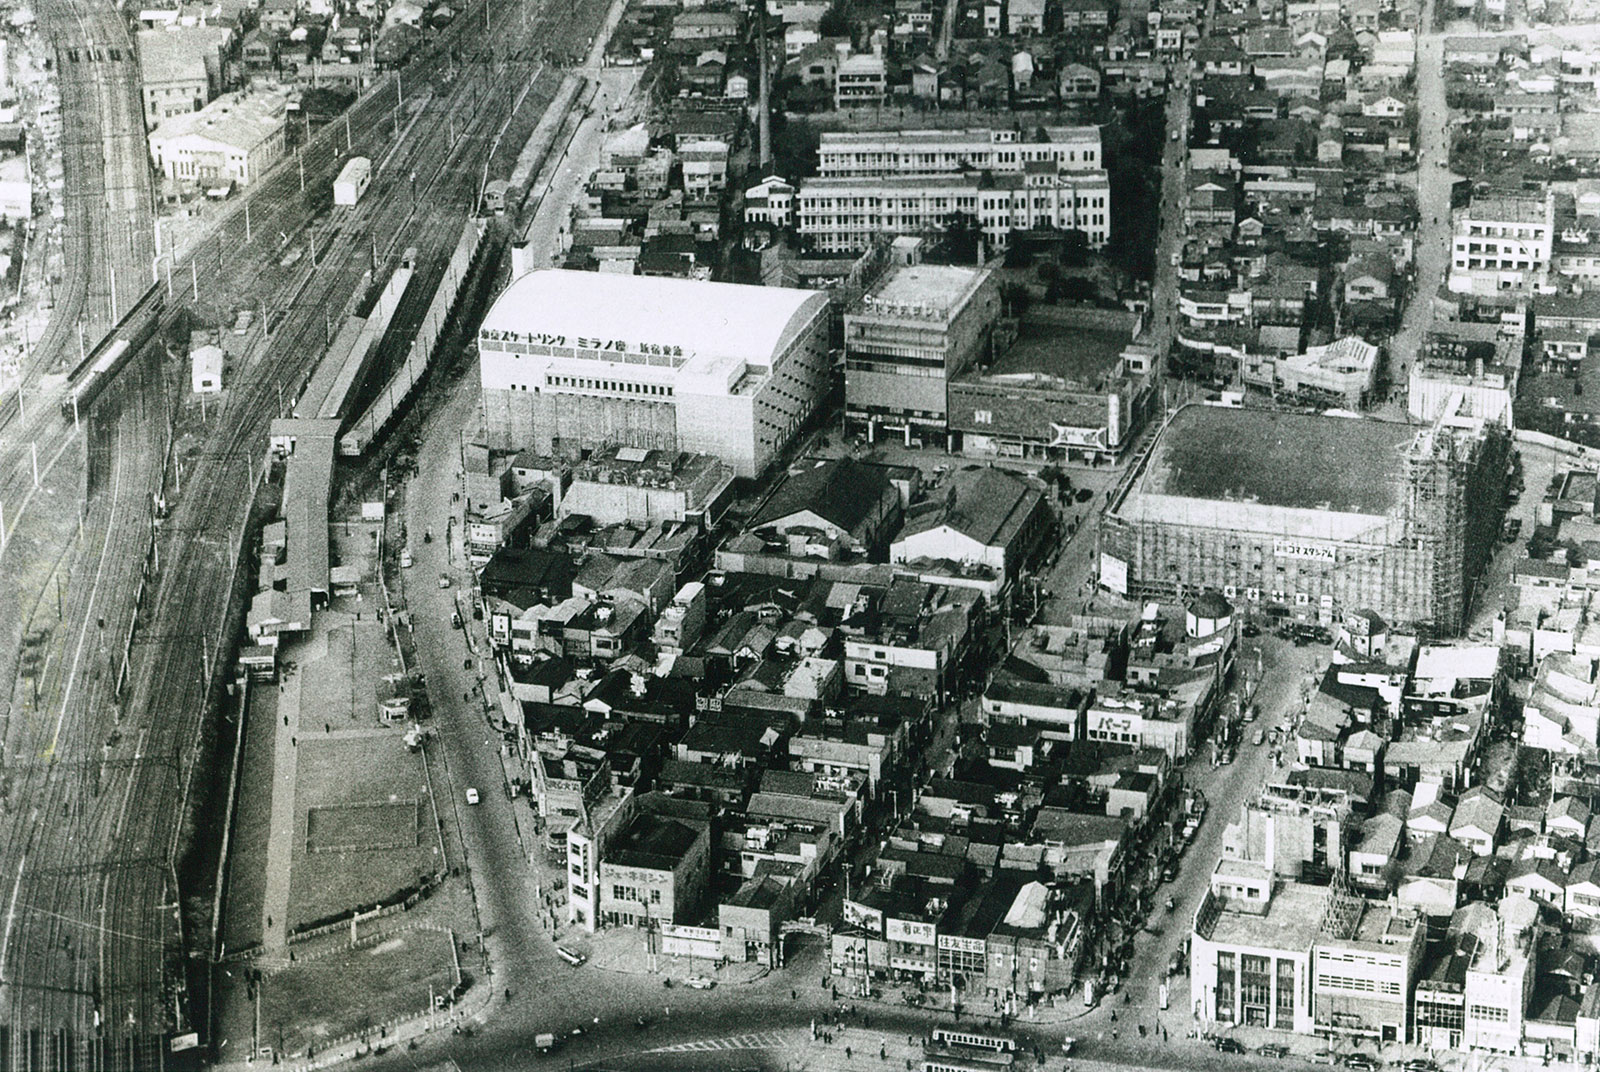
(472, 795)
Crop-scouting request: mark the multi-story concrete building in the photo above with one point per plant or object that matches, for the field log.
(232, 140)
(914, 642)
(683, 620)
(1365, 966)
(1500, 979)
(847, 214)
(771, 202)
(656, 868)
(862, 747)
(586, 842)
(578, 360)
(1471, 367)
(1250, 953)
(180, 69)
(860, 81)
(1340, 374)
(616, 484)
(916, 328)
(1502, 243)
(1295, 830)
(1315, 514)
(879, 154)
(1073, 387)
(1440, 1003)
(1140, 720)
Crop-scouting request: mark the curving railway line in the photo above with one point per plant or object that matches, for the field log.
(105, 237)
(97, 770)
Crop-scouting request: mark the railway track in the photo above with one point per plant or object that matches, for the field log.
(109, 205)
(91, 962)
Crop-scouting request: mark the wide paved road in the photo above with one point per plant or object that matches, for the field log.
(1433, 206)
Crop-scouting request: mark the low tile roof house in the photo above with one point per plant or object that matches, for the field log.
(842, 498)
(1376, 851)
(1369, 278)
(1542, 880)
(1583, 891)
(1430, 819)
(1477, 820)
(1432, 878)
(988, 517)
(1569, 816)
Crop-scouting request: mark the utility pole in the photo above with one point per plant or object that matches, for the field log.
(764, 60)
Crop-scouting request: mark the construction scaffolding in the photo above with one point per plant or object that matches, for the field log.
(1415, 562)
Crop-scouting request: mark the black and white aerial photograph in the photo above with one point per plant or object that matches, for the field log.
(800, 535)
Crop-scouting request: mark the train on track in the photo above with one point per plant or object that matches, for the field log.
(109, 356)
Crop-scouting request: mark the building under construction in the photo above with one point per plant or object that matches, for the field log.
(1315, 515)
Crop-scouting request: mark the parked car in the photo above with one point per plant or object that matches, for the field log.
(699, 982)
(1229, 1045)
(575, 959)
(1361, 1062)
(1273, 1049)
(1420, 1064)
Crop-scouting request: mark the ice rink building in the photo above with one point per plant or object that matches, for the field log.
(576, 360)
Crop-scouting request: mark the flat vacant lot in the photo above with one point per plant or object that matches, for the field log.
(362, 827)
(374, 983)
(363, 802)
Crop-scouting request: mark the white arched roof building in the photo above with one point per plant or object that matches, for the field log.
(572, 360)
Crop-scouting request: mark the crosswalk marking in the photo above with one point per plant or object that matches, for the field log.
(759, 1040)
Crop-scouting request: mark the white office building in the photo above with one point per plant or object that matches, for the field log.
(1502, 243)
(844, 215)
(870, 154)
